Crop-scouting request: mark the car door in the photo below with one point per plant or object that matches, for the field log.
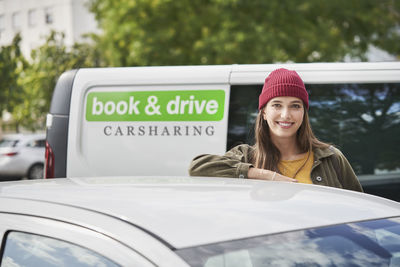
(34, 150)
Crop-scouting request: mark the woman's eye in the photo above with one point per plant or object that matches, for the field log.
(276, 105)
(296, 106)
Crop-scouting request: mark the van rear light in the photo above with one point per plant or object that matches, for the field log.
(49, 162)
(11, 154)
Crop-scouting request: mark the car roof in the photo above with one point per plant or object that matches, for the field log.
(191, 211)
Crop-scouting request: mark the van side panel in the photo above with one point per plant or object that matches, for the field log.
(146, 121)
(57, 127)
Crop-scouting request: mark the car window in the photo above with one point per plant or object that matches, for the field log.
(362, 120)
(24, 249)
(371, 243)
(41, 143)
(8, 143)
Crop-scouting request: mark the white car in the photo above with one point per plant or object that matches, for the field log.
(22, 155)
(184, 221)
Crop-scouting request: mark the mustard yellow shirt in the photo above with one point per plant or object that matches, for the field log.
(290, 167)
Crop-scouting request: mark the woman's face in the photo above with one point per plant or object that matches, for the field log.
(284, 116)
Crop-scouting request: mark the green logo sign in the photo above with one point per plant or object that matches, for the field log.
(201, 105)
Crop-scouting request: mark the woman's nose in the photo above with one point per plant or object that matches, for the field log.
(285, 114)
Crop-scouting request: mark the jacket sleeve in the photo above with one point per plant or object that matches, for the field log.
(347, 177)
(235, 163)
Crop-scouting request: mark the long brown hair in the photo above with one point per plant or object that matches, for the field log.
(267, 156)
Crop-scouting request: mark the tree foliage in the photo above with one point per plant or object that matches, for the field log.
(167, 32)
(12, 63)
(38, 79)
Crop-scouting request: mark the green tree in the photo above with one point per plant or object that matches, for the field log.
(38, 79)
(167, 32)
(12, 63)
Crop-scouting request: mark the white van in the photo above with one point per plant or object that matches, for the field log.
(154, 120)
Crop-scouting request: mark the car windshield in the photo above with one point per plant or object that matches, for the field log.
(8, 143)
(369, 243)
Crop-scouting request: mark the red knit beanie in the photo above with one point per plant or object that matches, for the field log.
(282, 82)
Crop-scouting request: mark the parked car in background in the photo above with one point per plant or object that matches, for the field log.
(184, 221)
(22, 155)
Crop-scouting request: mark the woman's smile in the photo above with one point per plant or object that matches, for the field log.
(285, 124)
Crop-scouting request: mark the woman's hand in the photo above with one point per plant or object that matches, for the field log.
(256, 173)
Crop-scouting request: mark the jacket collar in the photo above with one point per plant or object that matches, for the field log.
(320, 153)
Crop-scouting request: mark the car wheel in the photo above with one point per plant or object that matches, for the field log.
(35, 172)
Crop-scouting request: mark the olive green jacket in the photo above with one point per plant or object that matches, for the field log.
(330, 167)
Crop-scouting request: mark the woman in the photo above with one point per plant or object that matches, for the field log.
(286, 148)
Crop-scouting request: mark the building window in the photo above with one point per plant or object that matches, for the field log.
(32, 17)
(16, 20)
(48, 13)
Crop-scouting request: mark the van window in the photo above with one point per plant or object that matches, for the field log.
(362, 120)
(243, 110)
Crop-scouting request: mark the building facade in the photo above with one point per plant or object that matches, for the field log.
(35, 19)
